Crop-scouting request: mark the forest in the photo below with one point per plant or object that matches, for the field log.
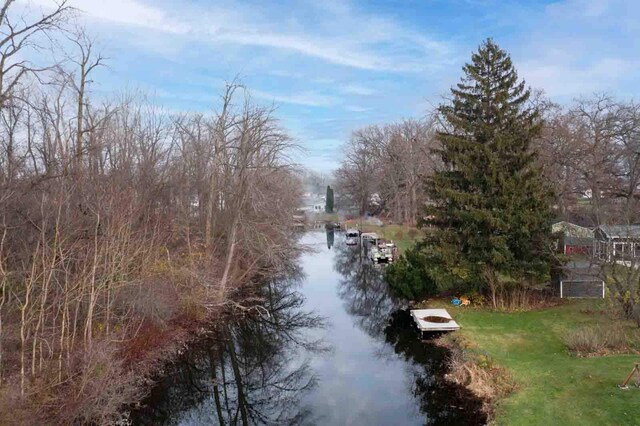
(123, 227)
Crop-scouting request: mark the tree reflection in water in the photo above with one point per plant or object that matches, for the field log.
(254, 372)
(363, 289)
(329, 229)
(366, 297)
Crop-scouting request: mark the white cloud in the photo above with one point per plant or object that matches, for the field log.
(577, 47)
(307, 98)
(339, 34)
(579, 8)
(128, 12)
(357, 108)
(357, 89)
(570, 79)
(329, 50)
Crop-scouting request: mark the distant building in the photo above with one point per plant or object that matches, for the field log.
(574, 239)
(312, 203)
(617, 242)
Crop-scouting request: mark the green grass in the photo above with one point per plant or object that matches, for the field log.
(326, 217)
(554, 387)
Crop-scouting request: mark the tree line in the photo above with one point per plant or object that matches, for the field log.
(588, 151)
(120, 224)
(383, 168)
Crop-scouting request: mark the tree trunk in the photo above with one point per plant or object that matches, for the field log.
(230, 253)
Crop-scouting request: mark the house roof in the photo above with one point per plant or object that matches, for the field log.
(620, 231)
(578, 241)
(569, 229)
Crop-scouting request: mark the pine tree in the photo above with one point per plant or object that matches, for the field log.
(489, 217)
(329, 200)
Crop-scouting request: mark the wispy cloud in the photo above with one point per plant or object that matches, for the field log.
(357, 89)
(357, 108)
(577, 47)
(344, 36)
(307, 46)
(128, 12)
(567, 79)
(307, 98)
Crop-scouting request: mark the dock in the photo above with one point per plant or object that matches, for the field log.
(419, 315)
(372, 237)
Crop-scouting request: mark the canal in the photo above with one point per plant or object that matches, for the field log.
(333, 349)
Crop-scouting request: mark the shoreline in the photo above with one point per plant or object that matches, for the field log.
(520, 361)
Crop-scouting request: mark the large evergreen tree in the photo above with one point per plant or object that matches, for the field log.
(488, 223)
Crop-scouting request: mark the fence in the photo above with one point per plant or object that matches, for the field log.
(588, 289)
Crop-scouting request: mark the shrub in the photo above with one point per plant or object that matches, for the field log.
(407, 280)
(585, 340)
(600, 339)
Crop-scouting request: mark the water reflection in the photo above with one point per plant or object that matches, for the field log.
(363, 289)
(329, 229)
(254, 372)
(366, 297)
(276, 370)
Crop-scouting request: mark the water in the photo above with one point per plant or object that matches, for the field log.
(336, 349)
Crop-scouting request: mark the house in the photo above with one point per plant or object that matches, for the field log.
(617, 242)
(573, 239)
(577, 245)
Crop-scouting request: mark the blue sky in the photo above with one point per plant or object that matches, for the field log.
(332, 66)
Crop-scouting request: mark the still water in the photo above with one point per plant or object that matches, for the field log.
(334, 349)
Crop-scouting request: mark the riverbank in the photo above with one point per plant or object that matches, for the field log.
(177, 302)
(538, 380)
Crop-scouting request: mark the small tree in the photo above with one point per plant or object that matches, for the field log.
(329, 201)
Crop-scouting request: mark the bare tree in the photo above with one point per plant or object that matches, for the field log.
(165, 209)
(18, 33)
(392, 162)
(589, 152)
(87, 60)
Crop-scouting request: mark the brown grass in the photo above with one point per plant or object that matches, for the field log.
(602, 339)
(477, 372)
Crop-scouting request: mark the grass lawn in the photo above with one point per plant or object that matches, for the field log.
(554, 387)
(404, 236)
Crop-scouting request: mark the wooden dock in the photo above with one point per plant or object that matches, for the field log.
(419, 316)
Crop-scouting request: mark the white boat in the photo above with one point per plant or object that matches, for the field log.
(352, 237)
(370, 237)
(380, 255)
(383, 251)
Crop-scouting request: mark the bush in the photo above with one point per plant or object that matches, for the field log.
(407, 280)
(601, 339)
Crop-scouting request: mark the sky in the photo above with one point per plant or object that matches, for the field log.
(332, 66)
